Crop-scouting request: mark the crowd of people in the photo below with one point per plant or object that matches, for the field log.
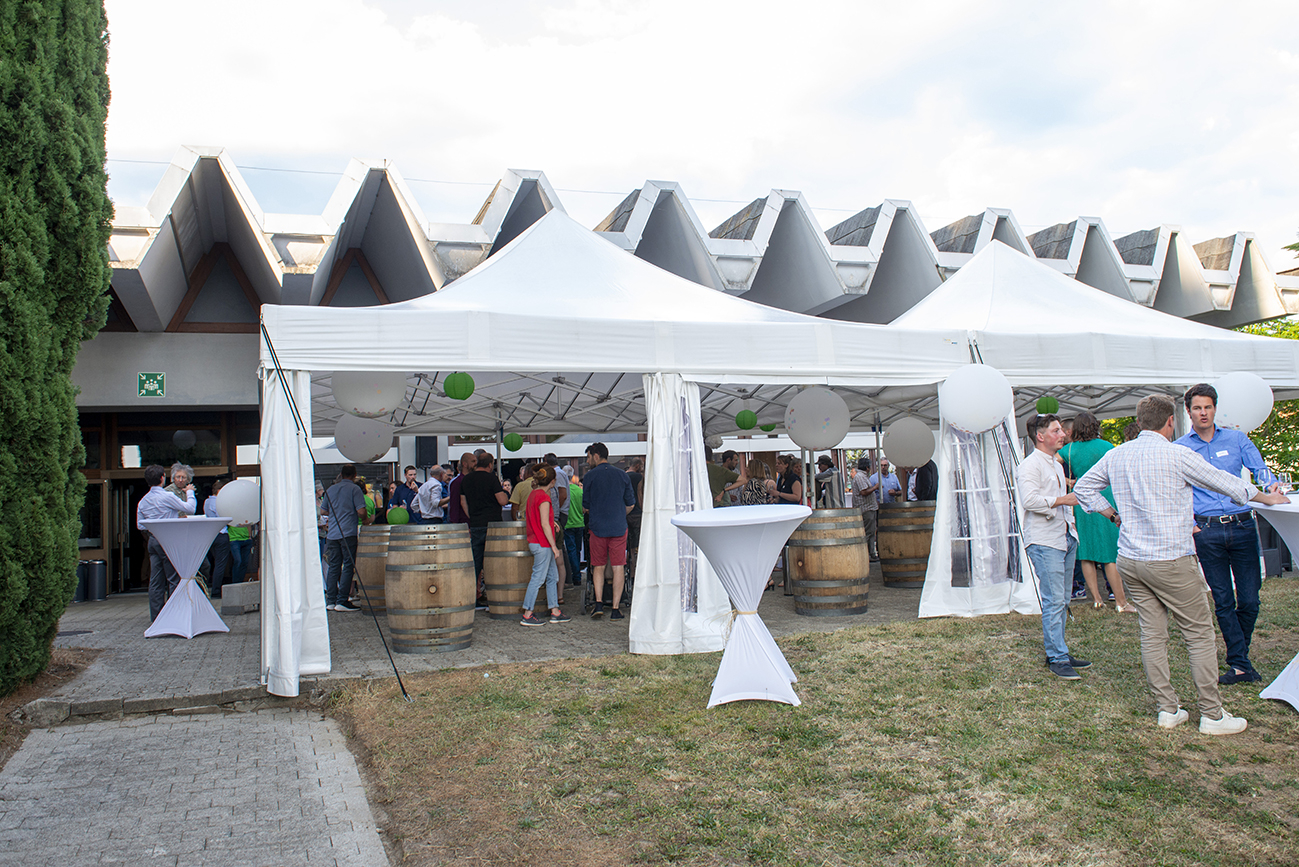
(1180, 515)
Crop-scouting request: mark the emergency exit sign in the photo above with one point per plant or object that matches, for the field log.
(153, 385)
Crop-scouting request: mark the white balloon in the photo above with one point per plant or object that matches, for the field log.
(713, 442)
(975, 398)
(368, 393)
(908, 442)
(1244, 401)
(184, 439)
(240, 500)
(817, 418)
(362, 440)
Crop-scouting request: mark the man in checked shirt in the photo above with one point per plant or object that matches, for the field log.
(1152, 480)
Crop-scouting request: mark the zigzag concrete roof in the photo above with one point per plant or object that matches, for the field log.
(180, 262)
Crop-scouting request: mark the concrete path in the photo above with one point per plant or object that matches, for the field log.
(271, 788)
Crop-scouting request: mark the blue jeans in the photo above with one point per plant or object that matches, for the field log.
(543, 569)
(342, 560)
(240, 550)
(1055, 578)
(573, 549)
(1227, 552)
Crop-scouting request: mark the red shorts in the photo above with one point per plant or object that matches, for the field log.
(609, 549)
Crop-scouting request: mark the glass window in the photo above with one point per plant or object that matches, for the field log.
(194, 446)
(91, 439)
(92, 535)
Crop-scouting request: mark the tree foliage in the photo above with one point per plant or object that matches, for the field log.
(1278, 438)
(54, 225)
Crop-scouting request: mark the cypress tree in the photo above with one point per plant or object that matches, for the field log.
(54, 275)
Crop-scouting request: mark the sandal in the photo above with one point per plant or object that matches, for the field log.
(1099, 605)
(1123, 609)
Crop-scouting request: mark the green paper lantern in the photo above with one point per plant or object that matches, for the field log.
(513, 442)
(746, 419)
(458, 386)
(398, 515)
(769, 427)
(1047, 405)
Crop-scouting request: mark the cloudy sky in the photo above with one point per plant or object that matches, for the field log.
(1140, 113)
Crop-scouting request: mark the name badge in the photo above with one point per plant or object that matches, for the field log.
(1222, 454)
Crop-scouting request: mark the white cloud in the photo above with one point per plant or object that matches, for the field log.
(1100, 110)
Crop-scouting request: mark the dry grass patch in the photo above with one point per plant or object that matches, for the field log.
(936, 742)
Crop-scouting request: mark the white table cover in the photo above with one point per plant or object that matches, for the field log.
(1285, 520)
(742, 543)
(188, 611)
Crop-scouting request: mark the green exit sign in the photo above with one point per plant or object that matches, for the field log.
(153, 385)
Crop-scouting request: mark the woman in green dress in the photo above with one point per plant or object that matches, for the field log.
(1098, 539)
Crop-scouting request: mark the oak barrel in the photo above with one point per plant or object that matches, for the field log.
(905, 532)
(371, 557)
(830, 564)
(429, 589)
(507, 568)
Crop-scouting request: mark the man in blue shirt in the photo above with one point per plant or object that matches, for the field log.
(343, 500)
(1226, 540)
(607, 497)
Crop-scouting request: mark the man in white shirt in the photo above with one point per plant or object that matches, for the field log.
(431, 498)
(1050, 539)
(156, 504)
(1153, 482)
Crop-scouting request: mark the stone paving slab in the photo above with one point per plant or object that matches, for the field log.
(271, 788)
(139, 675)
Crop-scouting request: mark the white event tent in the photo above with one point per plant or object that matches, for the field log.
(559, 308)
(1049, 334)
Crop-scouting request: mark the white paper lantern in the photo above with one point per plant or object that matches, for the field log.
(362, 440)
(1244, 401)
(908, 442)
(975, 398)
(817, 418)
(368, 393)
(241, 501)
(714, 442)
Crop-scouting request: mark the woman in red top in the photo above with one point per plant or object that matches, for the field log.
(540, 522)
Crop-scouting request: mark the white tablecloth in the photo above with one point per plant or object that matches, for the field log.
(742, 543)
(1285, 520)
(186, 541)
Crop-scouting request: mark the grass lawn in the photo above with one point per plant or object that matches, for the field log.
(934, 742)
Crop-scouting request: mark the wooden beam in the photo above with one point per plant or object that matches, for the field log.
(197, 278)
(336, 276)
(369, 275)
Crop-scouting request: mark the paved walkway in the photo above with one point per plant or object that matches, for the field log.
(276, 787)
(139, 675)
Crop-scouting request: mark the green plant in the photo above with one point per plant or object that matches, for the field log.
(54, 276)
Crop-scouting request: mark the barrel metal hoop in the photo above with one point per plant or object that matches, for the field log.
(860, 539)
(905, 528)
(829, 612)
(507, 554)
(424, 649)
(429, 567)
(896, 561)
(813, 585)
(856, 597)
(417, 612)
(441, 630)
(493, 538)
(395, 548)
(489, 587)
(360, 554)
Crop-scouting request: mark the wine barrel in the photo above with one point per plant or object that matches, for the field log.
(371, 558)
(829, 564)
(507, 567)
(905, 532)
(429, 587)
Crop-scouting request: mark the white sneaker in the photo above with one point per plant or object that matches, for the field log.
(1228, 725)
(1173, 720)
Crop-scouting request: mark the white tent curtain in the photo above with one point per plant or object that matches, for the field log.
(977, 564)
(295, 634)
(680, 606)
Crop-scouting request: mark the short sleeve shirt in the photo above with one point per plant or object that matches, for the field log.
(480, 489)
(342, 500)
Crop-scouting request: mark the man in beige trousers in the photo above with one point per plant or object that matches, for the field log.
(1152, 481)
